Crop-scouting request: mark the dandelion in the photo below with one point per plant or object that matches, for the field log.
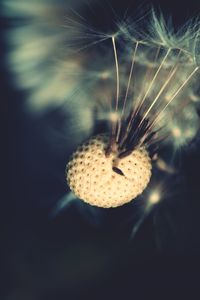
(140, 82)
(160, 71)
(106, 180)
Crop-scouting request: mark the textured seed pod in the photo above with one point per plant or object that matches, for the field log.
(107, 181)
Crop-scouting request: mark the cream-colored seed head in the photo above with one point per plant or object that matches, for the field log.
(91, 176)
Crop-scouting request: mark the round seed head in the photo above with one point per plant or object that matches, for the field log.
(107, 181)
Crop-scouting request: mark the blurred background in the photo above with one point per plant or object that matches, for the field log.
(85, 253)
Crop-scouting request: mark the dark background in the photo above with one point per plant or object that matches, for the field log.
(85, 253)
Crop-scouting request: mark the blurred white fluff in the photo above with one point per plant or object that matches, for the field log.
(59, 59)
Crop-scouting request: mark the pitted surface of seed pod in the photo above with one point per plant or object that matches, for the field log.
(107, 181)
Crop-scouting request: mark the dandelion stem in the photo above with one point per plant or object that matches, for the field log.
(117, 73)
(152, 82)
(130, 76)
(115, 122)
(139, 106)
(161, 90)
(112, 143)
(147, 77)
(171, 74)
(175, 94)
(128, 87)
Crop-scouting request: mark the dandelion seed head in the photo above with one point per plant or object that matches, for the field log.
(107, 181)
